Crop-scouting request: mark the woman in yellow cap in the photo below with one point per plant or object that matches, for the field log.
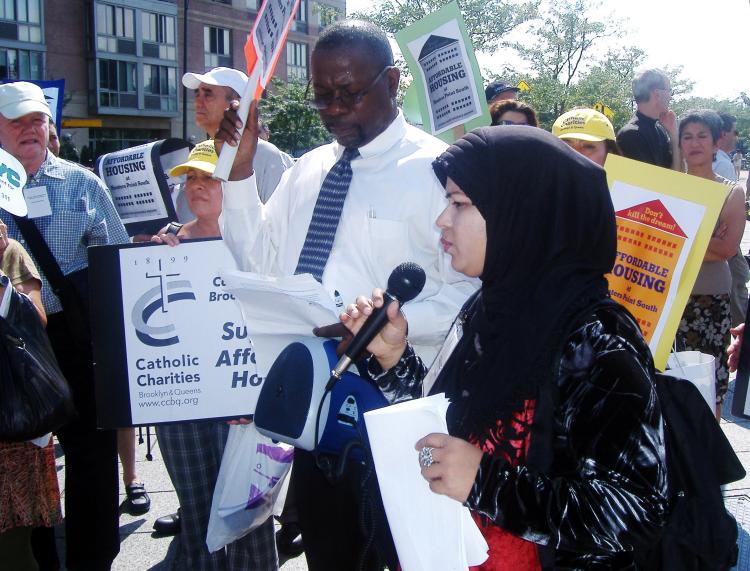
(203, 195)
(192, 451)
(588, 132)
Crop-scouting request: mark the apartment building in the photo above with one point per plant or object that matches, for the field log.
(122, 60)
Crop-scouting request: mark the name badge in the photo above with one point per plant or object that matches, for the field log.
(451, 340)
(37, 201)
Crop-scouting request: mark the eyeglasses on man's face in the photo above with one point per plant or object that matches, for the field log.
(344, 97)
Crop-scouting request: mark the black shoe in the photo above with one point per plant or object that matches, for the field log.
(289, 541)
(168, 525)
(138, 500)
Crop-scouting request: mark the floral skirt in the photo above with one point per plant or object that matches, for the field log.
(29, 494)
(705, 327)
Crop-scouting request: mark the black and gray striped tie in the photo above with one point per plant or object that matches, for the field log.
(325, 218)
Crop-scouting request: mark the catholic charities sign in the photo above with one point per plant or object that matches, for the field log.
(172, 346)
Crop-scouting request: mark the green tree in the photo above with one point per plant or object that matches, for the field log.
(610, 82)
(559, 51)
(739, 107)
(295, 127)
(487, 21)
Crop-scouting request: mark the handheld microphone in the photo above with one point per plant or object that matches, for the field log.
(404, 284)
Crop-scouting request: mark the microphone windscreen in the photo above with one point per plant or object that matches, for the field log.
(406, 281)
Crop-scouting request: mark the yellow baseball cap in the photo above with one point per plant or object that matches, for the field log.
(203, 157)
(584, 124)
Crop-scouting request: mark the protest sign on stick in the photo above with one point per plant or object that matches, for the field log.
(446, 74)
(169, 341)
(139, 184)
(262, 51)
(665, 220)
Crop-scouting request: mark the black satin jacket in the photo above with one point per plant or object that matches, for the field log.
(603, 496)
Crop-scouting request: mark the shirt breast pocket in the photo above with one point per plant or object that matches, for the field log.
(390, 243)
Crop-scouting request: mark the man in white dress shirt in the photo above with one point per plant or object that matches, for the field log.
(388, 217)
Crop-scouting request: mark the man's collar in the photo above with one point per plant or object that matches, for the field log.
(51, 167)
(722, 153)
(643, 117)
(383, 142)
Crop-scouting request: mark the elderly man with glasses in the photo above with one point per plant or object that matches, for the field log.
(377, 190)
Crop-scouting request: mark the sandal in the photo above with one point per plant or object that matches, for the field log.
(138, 499)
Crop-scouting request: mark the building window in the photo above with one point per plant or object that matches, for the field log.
(296, 61)
(115, 29)
(158, 36)
(109, 140)
(160, 87)
(21, 20)
(20, 64)
(216, 48)
(252, 4)
(300, 18)
(117, 84)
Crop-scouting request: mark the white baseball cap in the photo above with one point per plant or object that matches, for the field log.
(222, 76)
(21, 98)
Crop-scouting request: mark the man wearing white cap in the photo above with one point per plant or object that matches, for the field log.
(69, 210)
(214, 90)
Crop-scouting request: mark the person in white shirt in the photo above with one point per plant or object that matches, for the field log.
(387, 218)
(727, 143)
(738, 267)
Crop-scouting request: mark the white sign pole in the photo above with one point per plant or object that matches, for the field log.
(229, 152)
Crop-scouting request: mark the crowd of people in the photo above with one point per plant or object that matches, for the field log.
(555, 437)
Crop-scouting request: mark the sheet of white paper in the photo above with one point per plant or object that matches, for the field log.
(430, 531)
(282, 306)
(278, 311)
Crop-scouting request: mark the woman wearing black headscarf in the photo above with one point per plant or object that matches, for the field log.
(556, 442)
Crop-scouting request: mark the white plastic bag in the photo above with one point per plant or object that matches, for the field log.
(698, 368)
(251, 486)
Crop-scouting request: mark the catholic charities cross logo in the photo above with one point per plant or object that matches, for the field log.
(158, 299)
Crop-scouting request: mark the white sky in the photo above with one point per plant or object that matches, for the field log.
(711, 40)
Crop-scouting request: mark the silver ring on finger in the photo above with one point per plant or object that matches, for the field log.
(425, 457)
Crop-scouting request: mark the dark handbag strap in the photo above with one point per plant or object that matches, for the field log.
(43, 255)
(76, 314)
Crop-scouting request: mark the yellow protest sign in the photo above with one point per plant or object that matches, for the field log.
(604, 110)
(664, 223)
(523, 86)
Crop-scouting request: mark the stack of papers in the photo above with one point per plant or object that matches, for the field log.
(431, 531)
(279, 310)
(289, 305)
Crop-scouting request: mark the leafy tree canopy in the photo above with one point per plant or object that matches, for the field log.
(295, 127)
(487, 21)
